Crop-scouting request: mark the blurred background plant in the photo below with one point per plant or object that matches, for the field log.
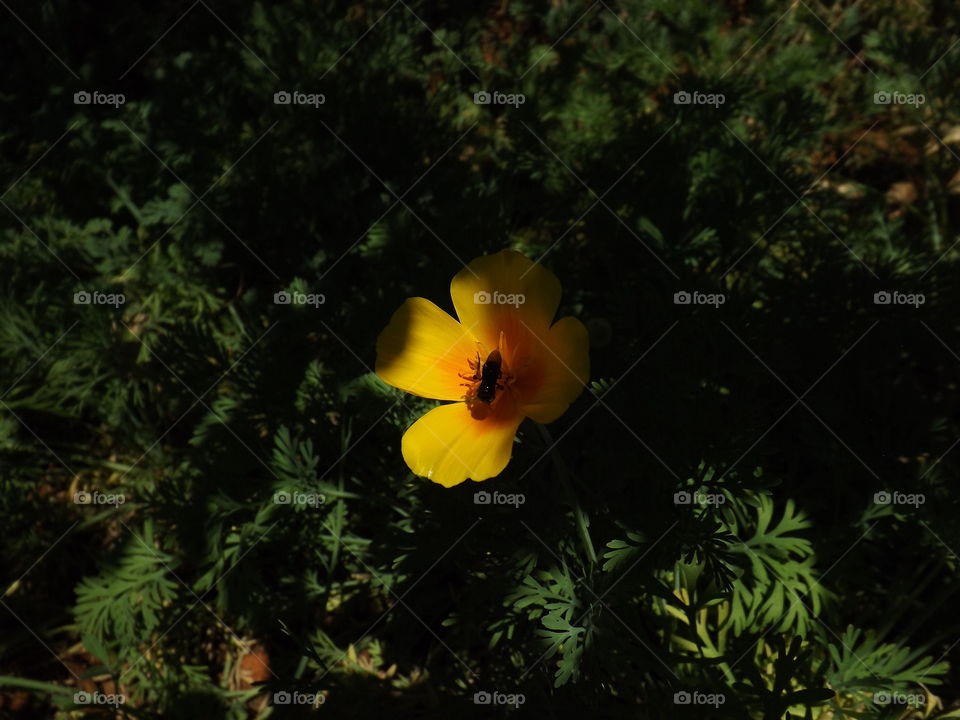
(723, 536)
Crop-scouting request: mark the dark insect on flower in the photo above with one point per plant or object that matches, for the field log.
(489, 377)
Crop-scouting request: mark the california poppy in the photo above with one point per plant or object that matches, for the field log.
(505, 360)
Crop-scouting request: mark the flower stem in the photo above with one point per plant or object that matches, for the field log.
(583, 522)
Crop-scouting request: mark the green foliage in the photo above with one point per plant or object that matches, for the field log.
(124, 603)
(273, 539)
(780, 581)
(550, 598)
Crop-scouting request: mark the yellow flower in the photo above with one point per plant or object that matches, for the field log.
(505, 360)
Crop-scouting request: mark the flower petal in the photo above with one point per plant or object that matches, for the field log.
(448, 445)
(422, 351)
(508, 273)
(561, 373)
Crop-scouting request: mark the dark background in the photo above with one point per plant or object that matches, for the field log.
(798, 198)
